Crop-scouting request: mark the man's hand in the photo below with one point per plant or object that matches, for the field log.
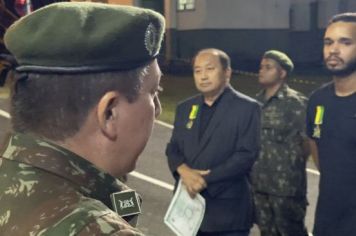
(192, 179)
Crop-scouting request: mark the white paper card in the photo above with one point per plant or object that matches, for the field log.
(184, 214)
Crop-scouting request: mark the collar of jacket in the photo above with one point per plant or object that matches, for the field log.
(225, 91)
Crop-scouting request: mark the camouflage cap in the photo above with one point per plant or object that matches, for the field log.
(76, 37)
(283, 60)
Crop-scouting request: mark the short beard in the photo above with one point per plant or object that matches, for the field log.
(348, 70)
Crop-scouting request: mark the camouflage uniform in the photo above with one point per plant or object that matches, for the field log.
(48, 190)
(278, 176)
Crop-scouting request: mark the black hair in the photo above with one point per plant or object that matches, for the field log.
(343, 17)
(223, 57)
(55, 106)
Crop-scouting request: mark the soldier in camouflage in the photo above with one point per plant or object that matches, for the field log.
(48, 190)
(83, 105)
(279, 176)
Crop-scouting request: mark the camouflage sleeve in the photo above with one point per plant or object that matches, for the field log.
(300, 114)
(109, 224)
(296, 117)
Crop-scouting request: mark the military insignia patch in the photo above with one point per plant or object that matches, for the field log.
(126, 203)
(151, 38)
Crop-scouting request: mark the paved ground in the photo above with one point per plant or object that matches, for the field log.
(156, 198)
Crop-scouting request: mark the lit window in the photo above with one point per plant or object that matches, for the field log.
(186, 5)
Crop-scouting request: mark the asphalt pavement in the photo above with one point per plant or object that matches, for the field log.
(153, 181)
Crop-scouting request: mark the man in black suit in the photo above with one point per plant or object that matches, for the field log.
(214, 144)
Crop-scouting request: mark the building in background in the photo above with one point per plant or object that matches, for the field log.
(244, 29)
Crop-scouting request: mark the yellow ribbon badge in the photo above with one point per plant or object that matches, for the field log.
(194, 112)
(192, 116)
(319, 117)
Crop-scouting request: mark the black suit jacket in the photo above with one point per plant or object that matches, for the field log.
(228, 147)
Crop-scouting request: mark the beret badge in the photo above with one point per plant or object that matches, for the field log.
(151, 38)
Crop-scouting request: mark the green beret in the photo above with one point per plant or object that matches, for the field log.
(283, 60)
(76, 37)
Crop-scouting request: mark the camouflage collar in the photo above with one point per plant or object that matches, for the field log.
(42, 154)
(280, 94)
(282, 91)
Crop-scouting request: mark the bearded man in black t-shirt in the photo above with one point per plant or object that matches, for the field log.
(331, 127)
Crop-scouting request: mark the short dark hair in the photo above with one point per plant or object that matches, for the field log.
(55, 106)
(343, 17)
(223, 57)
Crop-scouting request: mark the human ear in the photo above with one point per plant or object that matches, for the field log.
(107, 114)
(228, 73)
(283, 74)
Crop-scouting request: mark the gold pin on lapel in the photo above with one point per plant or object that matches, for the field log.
(189, 124)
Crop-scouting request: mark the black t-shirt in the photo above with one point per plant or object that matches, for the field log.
(334, 132)
(207, 113)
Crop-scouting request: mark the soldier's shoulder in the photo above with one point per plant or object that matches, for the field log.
(89, 217)
(109, 224)
(103, 221)
(296, 97)
(295, 94)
